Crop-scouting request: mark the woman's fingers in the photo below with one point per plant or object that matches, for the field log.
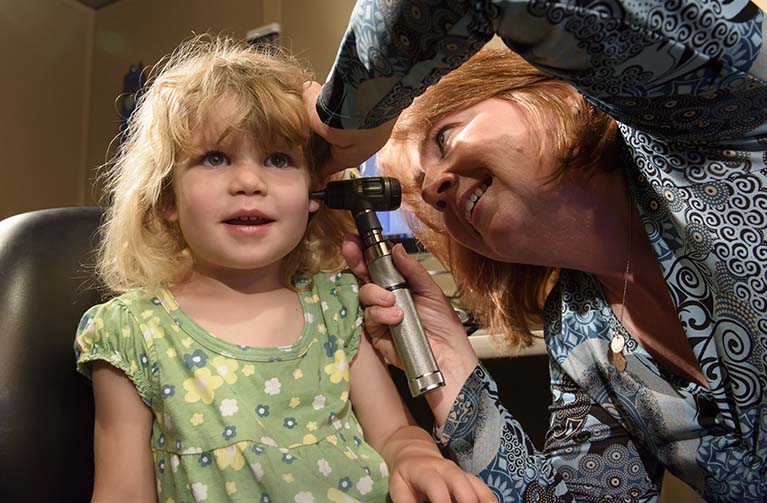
(418, 278)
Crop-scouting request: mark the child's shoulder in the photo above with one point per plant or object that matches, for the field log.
(135, 300)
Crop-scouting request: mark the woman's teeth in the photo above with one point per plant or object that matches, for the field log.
(474, 197)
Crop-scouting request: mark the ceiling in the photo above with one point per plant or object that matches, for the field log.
(96, 4)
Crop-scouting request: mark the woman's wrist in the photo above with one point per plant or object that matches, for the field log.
(441, 399)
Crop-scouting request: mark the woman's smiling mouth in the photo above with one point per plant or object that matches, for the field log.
(471, 202)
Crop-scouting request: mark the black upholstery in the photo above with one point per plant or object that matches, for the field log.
(46, 407)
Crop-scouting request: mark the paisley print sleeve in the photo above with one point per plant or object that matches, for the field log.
(586, 453)
(392, 51)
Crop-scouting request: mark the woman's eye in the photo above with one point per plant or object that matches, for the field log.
(214, 159)
(441, 138)
(278, 160)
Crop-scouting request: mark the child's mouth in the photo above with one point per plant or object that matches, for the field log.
(248, 221)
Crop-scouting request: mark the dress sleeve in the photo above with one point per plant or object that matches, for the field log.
(109, 332)
(586, 452)
(342, 311)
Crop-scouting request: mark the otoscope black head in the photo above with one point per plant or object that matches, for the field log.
(363, 197)
(377, 193)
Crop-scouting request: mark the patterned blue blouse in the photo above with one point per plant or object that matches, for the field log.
(686, 82)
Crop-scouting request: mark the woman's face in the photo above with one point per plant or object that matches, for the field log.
(485, 168)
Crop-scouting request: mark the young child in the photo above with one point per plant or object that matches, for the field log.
(230, 368)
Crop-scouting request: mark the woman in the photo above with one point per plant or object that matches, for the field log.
(655, 325)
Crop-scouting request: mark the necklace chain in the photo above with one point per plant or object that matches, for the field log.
(626, 274)
(618, 340)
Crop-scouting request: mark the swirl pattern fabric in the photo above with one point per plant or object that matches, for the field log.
(686, 82)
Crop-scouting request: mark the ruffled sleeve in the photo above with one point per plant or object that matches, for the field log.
(111, 333)
(339, 295)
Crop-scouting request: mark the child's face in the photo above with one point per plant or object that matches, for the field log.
(241, 207)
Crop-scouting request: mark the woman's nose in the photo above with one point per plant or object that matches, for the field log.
(438, 188)
(248, 178)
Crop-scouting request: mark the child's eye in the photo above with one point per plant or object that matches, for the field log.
(279, 160)
(215, 158)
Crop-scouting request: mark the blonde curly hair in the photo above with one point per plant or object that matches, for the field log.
(139, 247)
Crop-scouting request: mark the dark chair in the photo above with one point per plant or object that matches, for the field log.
(46, 407)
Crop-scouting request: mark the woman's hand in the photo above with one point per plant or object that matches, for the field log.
(451, 347)
(347, 147)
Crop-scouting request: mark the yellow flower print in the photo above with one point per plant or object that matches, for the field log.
(231, 457)
(197, 419)
(297, 374)
(332, 439)
(310, 439)
(294, 402)
(126, 332)
(168, 301)
(171, 352)
(231, 488)
(337, 496)
(154, 329)
(226, 368)
(312, 299)
(339, 370)
(202, 386)
(248, 370)
(311, 426)
(344, 396)
(288, 477)
(90, 335)
(187, 343)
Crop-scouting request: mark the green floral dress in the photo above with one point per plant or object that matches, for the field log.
(238, 423)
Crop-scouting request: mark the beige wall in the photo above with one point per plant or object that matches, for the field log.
(45, 53)
(313, 30)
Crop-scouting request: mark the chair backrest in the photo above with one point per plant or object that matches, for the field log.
(46, 407)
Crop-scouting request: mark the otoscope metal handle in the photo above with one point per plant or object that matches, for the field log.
(409, 338)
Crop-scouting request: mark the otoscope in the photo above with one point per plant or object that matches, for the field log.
(363, 197)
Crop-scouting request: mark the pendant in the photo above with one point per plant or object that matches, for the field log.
(615, 356)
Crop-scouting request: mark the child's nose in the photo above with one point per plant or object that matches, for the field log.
(248, 178)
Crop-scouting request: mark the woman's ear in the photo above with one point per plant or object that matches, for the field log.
(314, 205)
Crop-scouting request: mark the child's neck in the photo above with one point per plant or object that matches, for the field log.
(234, 282)
(243, 308)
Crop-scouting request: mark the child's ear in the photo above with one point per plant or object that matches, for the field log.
(170, 213)
(314, 205)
